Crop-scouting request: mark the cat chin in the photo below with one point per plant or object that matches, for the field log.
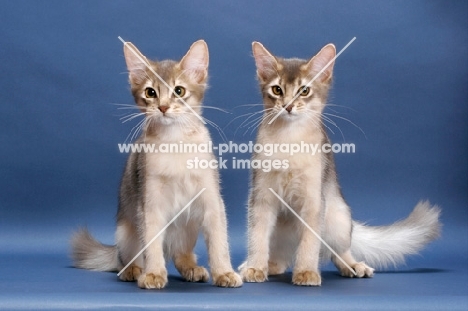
(289, 116)
(164, 120)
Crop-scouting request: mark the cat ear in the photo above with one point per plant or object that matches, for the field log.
(320, 61)
(136, 63)
(266, 63)
(195, 62)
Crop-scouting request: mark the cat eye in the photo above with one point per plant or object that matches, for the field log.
(150, 92)
(276, 89)
(304, 91)
(180, 91)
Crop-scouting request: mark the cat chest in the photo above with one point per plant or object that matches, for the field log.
(299, 161)
(178, 165)
(296, 152)
(173, 192)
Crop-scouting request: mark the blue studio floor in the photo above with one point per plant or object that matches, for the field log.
(43, 278)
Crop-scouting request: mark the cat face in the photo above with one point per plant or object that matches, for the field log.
(286, 87)
(174, 96)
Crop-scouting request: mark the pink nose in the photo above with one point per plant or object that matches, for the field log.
(163, 109)
(289, 108)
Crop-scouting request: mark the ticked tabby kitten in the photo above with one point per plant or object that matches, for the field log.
(276, 238)
(156, 186)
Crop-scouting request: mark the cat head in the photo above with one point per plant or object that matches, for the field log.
(285, 83)
(168, 92)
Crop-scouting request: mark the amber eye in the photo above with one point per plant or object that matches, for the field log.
(180, 91)
(304, 91)
(150, 92)
(276, 89)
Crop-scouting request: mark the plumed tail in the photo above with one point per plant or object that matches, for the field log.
(87, 253)
(384, 246)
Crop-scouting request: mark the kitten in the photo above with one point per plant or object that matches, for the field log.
(276, 238)
(156, 186)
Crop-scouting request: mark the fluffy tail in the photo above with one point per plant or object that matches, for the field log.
(87, 253)
(387, 245)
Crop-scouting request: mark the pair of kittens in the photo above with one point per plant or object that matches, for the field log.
(156, 187)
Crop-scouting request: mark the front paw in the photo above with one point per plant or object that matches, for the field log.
(307, 278)
(197, 274)
(253, 275)
(152, 280)
(130, 274)
(229, 279)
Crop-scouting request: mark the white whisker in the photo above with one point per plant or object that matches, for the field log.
(343, 118)
(135, 129)
(327, 119)
(219, 129)
(131, 117)
(214, 108)
(247, 114)
(249, 105)
(250, 115)
(259, 121)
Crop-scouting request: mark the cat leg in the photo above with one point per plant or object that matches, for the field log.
(306, 272)
(262, 214)
(283, 245)
(128, 246)
(337, 233)
(215, 232)
(185, 260)
(154, 272)
(154, 219)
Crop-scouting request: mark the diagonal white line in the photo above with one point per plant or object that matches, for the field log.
(311, 81)
(160, 232)
(162, 80)
(312, 230)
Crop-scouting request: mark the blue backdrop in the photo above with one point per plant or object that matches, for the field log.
(403, 82)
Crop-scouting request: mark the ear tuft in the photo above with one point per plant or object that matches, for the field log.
(195, 62)
(266, 63)
(321, 60)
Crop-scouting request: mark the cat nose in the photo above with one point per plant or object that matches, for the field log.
(289, 108)
(163, 109)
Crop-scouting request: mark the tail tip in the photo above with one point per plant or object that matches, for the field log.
(428, 214)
